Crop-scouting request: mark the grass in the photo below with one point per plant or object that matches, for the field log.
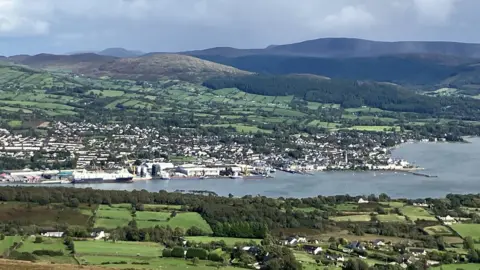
(14, 123)
(229, 241)
(374, 128)
(465, 230)
(182, 220)
(119, 248)
(391, 218)
(438, 230)
(162, 206)
(153, 263)
(47, 244)
(114, 212)
(416, 213)
(353, 218)
(8, 242)
(465, 266)
(346, 207)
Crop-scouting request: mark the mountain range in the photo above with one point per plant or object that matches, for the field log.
(409, 63)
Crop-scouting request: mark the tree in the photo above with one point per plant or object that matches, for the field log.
(468, 243)
(38, 240)
(195, 261)
(355, 264)
(178, 252)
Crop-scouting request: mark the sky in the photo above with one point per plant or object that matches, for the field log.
(62, 26)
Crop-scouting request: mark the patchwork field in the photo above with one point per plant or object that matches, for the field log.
(439, 230)
(416, 213)
(120, 215)
(230, 241)
(47, 244)
(102, 248)
(465, 230)
(353, 218)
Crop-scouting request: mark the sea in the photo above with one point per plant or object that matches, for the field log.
(455, 164)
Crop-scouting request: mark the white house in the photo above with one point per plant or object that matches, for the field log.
(361, 200)
(312, 249)
(53, 234)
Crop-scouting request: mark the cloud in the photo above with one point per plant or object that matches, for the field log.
(17, 19)
(176, 25)
(349, 17)
(435, 11)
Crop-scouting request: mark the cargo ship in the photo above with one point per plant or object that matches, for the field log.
(87, 177)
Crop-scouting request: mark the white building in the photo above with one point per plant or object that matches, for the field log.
(198, 171)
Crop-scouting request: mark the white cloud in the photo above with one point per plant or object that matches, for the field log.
(349, 17)
(16, 19)
(435, 11)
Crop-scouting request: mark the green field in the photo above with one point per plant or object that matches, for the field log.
(416, 213)
(47, 244)
(464, 266)
(14, 123)
(347, 207)
(181, 220)
(102, 248)
(229, 241)
(374, 128)
(353, 218)
(438, 230)
(465, 230)
(8, 242)
(391, 218)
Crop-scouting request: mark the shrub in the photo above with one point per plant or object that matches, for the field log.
(213, 256)
(22, 256)
(198, 253)
(195, 231)
(46, 252)
(178, 252)
(141, 263)
(38, 240)
(167, 253)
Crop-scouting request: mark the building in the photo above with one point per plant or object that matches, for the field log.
(312, 249)
(53, 234)
(198, 171)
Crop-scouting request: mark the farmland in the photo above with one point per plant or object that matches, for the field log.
(121, 215)
(57, 95)
(464, 230)
(416, 213)
(438, 230)
(229, 241)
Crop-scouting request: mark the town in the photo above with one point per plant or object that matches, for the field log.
(177, 153)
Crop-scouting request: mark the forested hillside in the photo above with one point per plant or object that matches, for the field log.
(350, 94)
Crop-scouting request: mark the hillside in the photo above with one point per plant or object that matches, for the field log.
(24, 265)
(120, 52)
(72, 63)
(351, 47)
(162, 66)
(403, 69)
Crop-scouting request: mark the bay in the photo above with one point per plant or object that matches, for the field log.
(455, 164)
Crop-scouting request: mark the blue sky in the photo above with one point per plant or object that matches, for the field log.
(60, 26)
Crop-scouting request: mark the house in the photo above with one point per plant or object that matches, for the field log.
(361, 200)
(355, 245)
(251, 249)
(312, 249)
(378, 243)
(417, 252)
(53, 234)
(294, 240)
(335, 257)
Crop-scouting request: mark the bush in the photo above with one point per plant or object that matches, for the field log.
(195, 231)
(200, 253)
(38, 240)
(178, 252)
(213, 256)
(46, 252)
(167, 253)
(141, 263)
(22, 256)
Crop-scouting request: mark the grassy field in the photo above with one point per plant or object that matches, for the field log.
(416, 213)
(230, 241)
(353, 218)
(47, 244)
(112, 217)
(391, 218)
(346, 207)
(465, 230)
(119, 248)
(374, 128)
(8, 242)
(464, 266)
(181, 220)
(438, 230)
(14, 123)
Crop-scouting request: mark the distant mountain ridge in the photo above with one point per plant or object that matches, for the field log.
(351, 47)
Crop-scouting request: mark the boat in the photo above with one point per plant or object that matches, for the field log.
(164, 176)
(84, 177)
(51, 182)
(65, 182)
(236, 176)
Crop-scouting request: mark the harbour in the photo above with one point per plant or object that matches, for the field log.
(454, 164)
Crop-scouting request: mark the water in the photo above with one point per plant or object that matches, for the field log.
(455, 164)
